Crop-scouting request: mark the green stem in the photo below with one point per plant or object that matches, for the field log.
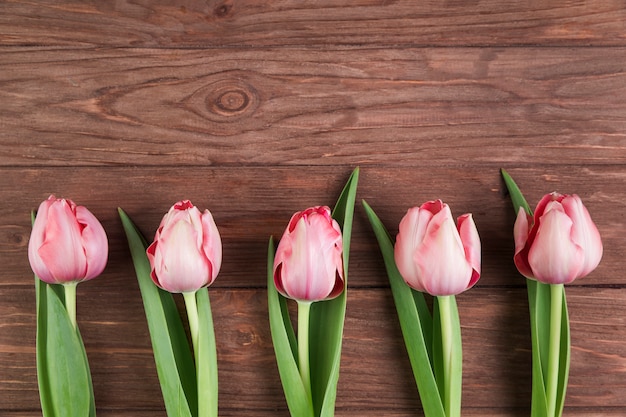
(192, 317)
(451, 359)
(70, 300)
(304, 310)
(556, 310)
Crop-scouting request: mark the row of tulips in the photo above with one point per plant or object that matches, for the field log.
(432, 254)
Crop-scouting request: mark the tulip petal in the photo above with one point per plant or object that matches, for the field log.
(412, 230)
(211, 244)
(62, 251)
(520, 234)
(584, 233)
(36, 240)
(440, 260)
(553, 257)
(471, 245)
(179, 266)
(94, 242)
(308, 265)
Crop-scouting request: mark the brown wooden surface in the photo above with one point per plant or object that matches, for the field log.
(258, 109)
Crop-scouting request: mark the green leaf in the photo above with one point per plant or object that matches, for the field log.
(415, 322)
(516, 195)
(564, 358)
(284, 341)
(172, 354)
(327, 317)
(539, 308)
(206, 362)
(63, 371)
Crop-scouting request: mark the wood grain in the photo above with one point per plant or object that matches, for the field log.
(375, 374)
(420, 107)
(260, 24)
(258, 109)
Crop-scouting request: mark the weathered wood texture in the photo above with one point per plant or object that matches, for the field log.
(298, 106)
(363, 22)
(258, 109)
(375, 377)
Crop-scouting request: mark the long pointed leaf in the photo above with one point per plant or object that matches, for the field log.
(66, 368)
(281, 329)
(564, 358)
(43, 378)
(327, 317)
(539, 306)
(172, 354)
(517, 198)
(415, 322)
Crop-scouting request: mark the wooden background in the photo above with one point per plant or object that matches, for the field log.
(257, 109)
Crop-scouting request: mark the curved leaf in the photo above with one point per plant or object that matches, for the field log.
(415, 321)
(284, 342)
(327, 317)
(172, 354)
(62, 367)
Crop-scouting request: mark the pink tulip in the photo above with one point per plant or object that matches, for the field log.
(563, 243)
(308, 265)
(67, 243)
(435, 256)
(186, 254)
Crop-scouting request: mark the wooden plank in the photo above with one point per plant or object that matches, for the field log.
(364, 22)
(252, 203)
(419, 107)
(375, 375)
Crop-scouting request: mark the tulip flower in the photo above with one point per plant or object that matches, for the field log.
(185, 257)
(308, 265)
(67, 243)
(554, 246)
(561, 245)
(435, 256)
(186, 254)
(431, 255)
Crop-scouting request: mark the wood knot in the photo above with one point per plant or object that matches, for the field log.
(232, 101)
(222, 10)
(228, 99)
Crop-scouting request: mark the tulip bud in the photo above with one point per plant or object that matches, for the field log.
(67, 243)
(561, 245)
(186, 254)
(308, 265)
(435, 256)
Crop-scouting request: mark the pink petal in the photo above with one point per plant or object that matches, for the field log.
(440, 260)
(36, 240)
(179, 264)
(521, 233)
(62, 251)
(471, 245)
(94, 241)
(211, 243)
(553, 257)
(412, 230)
(584, 233)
